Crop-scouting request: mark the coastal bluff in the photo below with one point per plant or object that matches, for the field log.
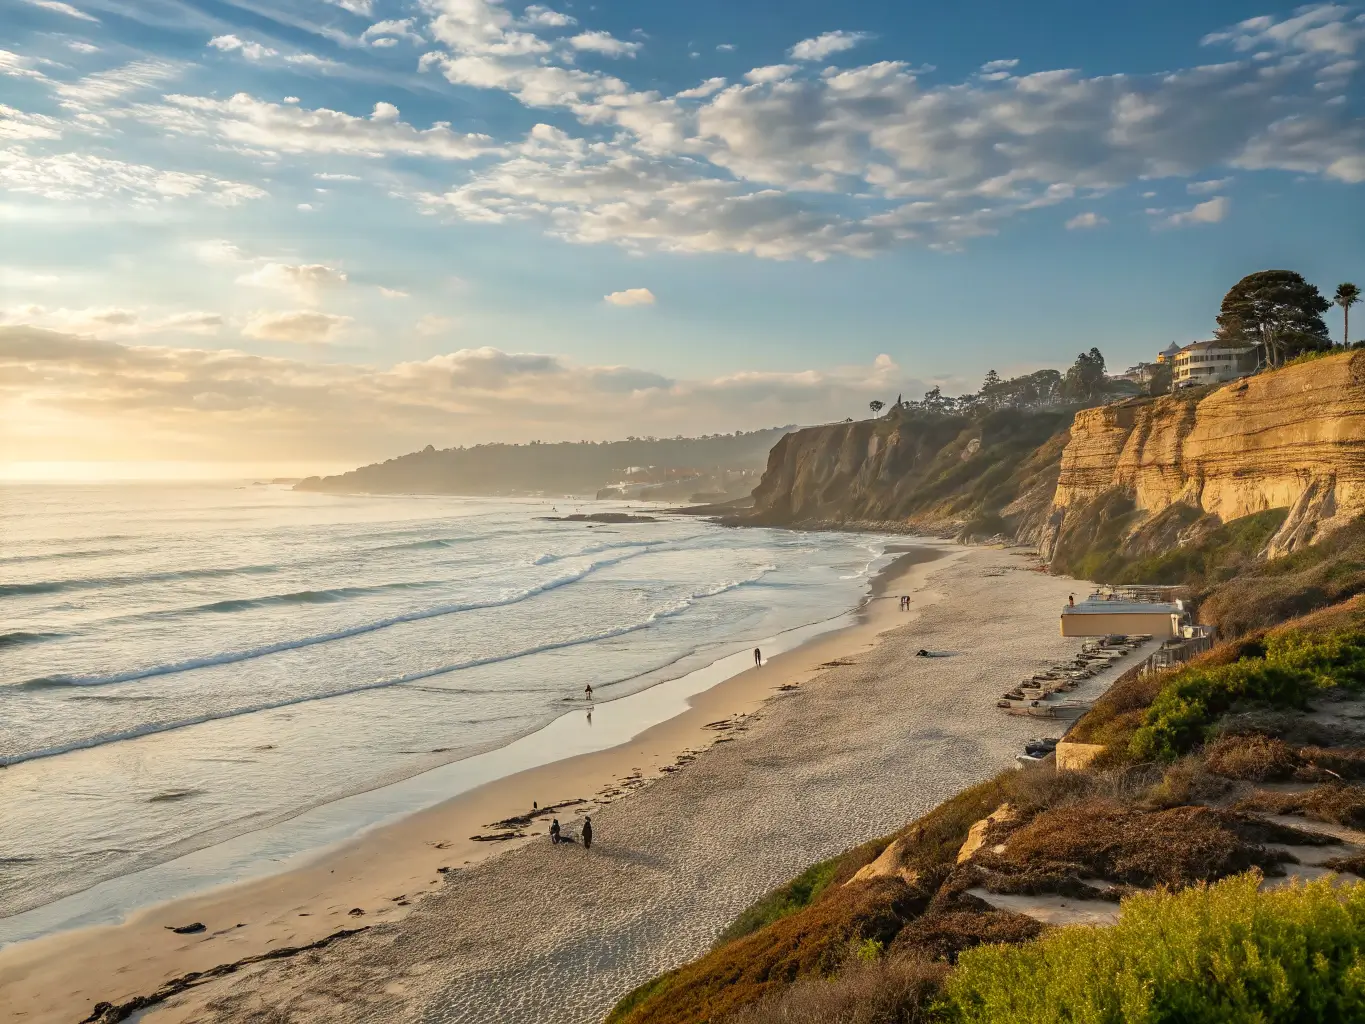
(1291, 439)
(1143, 476)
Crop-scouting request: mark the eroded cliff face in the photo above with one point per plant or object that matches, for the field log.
(1290, 439)
(940, 474)
(1136, 478)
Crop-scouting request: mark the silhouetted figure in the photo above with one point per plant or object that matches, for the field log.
(587, 692)
(1071, 600)
(535, 806)
(554, 832)
(758, 656)
(587, 833)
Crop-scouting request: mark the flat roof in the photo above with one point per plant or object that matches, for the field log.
(1120, 608)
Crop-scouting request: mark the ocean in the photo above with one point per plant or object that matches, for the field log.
(180, 665)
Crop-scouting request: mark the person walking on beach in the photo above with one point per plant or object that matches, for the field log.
(587, 833)
(587, 692)
(758, 658)
(554, 832)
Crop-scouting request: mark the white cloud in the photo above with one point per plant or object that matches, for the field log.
(302, 327)
(75, 177)
(80, 46)
(303, 280)
(1317, 28)
(62, 8)
(699, 92)
(393, 293)
(1210, 212)
(249, 50)
(389, 32)
(105, 87)
(364, 8)
(172, 402)
(1203, 188)
(111, 321)
(631, 297)
(726, 48)
(891, 156)
(18, 125)
(1089, 219)
(771, 73)
(292, 129)
(544, 16)
(604, 43)
(828, 43)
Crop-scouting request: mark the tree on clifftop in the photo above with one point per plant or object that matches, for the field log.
(1278, 312)
(1347, 296)
(876, 406)
(1084, 382)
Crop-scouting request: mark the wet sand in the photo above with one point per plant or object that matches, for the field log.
(384, 875)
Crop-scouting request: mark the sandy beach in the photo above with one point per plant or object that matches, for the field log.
(384, 874)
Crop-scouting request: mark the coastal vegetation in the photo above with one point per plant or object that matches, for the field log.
(1170, 822)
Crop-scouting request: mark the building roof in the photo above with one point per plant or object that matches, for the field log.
(1172, 347)
(1092, 607)
(1231, 346)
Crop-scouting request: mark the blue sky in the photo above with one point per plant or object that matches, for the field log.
(241, 221)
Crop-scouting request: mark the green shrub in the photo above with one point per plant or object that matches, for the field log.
(783, 901)
(1291, 668)
(1221, 953)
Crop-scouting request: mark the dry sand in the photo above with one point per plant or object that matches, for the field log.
(557, 933)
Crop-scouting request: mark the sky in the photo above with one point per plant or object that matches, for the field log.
(314, 233)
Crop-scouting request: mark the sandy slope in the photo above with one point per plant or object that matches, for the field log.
(558, 934)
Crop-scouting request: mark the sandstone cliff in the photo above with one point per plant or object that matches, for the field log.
(1293, 439)
(909, 470)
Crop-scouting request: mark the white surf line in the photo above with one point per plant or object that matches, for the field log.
(279, 847)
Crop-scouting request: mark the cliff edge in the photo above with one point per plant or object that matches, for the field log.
(1293, 439)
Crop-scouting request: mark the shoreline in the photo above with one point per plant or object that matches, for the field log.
(385, 870)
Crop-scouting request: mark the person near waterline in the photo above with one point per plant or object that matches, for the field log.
(587, 833)
(758, 657)
(587, 692)
(554, 832)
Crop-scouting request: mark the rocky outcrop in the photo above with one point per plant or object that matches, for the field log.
(1290, 439)
(907, 470)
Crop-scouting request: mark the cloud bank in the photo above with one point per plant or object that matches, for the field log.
(66, 392)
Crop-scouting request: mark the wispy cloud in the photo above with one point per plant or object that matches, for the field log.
(1210, 212)
(63, 8)
(828, 44)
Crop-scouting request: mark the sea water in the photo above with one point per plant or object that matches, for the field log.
(180, 665)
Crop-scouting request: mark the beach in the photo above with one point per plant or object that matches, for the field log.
(851, 751)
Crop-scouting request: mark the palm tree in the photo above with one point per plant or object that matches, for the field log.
(1347, 296)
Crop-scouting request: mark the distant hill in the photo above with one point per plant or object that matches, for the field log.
(727, 465)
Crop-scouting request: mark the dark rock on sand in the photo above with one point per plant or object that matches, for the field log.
(600, 517)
